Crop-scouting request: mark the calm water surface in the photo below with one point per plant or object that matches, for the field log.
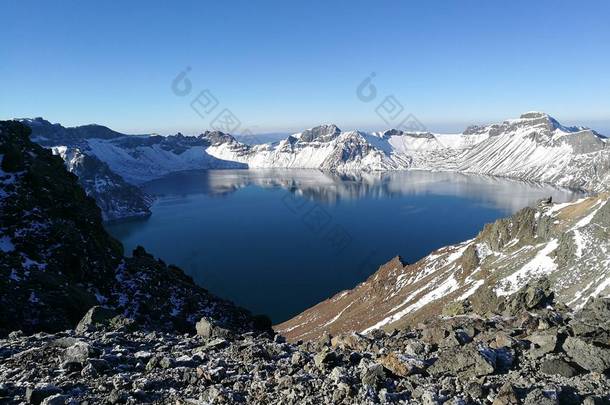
(279, 241)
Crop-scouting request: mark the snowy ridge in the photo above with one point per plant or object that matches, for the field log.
(534, 147)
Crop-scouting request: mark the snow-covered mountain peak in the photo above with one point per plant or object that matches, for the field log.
(534, 115)
(37, 121)
(321, 133)
(217, 137)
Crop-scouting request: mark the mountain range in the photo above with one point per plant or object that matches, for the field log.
(534, 147)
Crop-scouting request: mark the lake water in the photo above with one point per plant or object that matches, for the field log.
(279, 241)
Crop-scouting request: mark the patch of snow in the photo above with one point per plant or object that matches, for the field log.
(338, 315)
(449, 285)
(540, 265)
(471, 290)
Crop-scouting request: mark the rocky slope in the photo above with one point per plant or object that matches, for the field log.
(535, 147)
(56, 259)
(541, 354)
(569, 244)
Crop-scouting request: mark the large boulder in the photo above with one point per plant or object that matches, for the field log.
(96, 317)
(542, 344)
(208, 328)
(559, 367)
(589, 355)
(466, 362)
(593, 321)
(373, 376)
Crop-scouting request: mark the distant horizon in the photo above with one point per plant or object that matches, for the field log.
(600, 126)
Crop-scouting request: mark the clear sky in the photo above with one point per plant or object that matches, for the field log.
(286, 65)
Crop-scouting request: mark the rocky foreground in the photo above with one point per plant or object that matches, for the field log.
(539, 355)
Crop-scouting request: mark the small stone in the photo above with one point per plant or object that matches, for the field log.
(415, 348)
(204, 328)
(538, 397)
(297, 358)
(217, 343)
(207, 328)
(429, 398)
(166, 363)
(15, 335)
(338, 374)
(507, 395)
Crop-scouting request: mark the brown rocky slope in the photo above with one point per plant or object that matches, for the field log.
(569, 244)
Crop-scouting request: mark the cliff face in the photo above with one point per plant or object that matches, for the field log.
(568, 244)
(56, 259)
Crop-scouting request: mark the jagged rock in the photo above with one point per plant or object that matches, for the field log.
(352, 341)
(542, 343)
(467, 361)
(596, 311)
(326, 357)
(456, 308)
(373, 376)
(536, 294)
(507, 395)
(434, 334)
(96, 317)
(216, 343)
(593, 320)
(77, 355)
(589, 356)
(206, 328)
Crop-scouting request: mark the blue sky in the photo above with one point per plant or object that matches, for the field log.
(284, 65)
